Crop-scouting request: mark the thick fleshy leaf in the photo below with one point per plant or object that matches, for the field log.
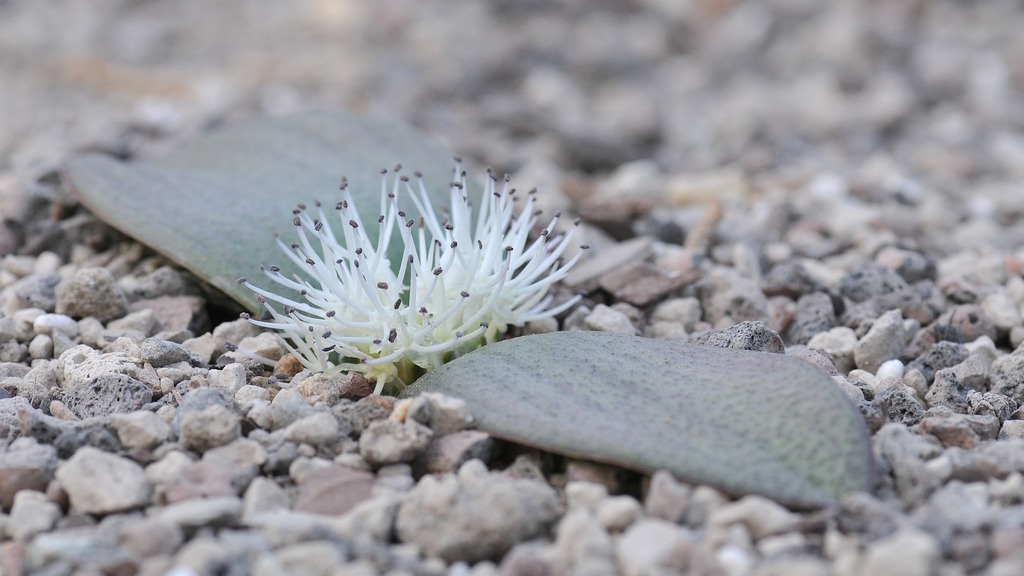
(212, 204)
(745, 422)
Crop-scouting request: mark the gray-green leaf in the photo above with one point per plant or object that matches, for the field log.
(211, 204)
(745, 422)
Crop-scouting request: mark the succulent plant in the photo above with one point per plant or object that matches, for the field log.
(463, 279)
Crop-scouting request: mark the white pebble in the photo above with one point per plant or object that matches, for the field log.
(47, 323)
(889, 369)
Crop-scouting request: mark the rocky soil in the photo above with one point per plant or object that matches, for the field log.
(840, 181)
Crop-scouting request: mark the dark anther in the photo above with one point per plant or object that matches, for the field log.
(382, 285)
(275, 269)
(398, 303)
(296, 221)
(464, 294)
(437, 271)
(326, 334)
(309, 261)
(330, 313)
(241, 280)
(353, 224)
(392, 336)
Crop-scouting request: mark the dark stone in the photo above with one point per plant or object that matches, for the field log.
(900, 406)
(814, 314)
(789, 278)
(65, 436)
(750, 335)
(943, 354)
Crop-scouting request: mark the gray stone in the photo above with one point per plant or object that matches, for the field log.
(474, 515)
(160, 353)
(682, 311)
(66, 436)
(875, 290)
(107, 394)
(750, 335)
(228, 380)
(234, 332)
(140, 430)
(40, 347)
(249, 392)
(241, 459)
(814, 314)
(973, 371)
(943, 354)
(197, 400)
(203, 347)
(447, 414)
(725, 295)
(333, 490)
(316, 429)
(38, 290)
(390, 442)
(1012, 429)
(91, 292)
(667, 498)
(587, 274)
(201, 513)
(901, 404)
(264, 495)
(289, 406)
(653, 546)
(947, 390)
(760, 516)
(148, 537)
(989, 403)
(31, 514)
(100, 483)
(582, 542)
(316, 558)
(447, 453)
(138, 324)
(908, 552)
(82, 364)
(791, 279)
(1002, 311)
(1006, 376)
(616, 513)
(884, 341)
(911, 266)
(213, 426)
(606, 319)
(374, 517)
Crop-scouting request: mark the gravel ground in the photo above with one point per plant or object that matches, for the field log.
(838, 180)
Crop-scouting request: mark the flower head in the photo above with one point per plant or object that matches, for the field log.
(462, 281)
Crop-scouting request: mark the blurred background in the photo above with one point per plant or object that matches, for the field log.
(892, 98)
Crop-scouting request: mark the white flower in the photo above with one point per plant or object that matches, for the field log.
(460, 283)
